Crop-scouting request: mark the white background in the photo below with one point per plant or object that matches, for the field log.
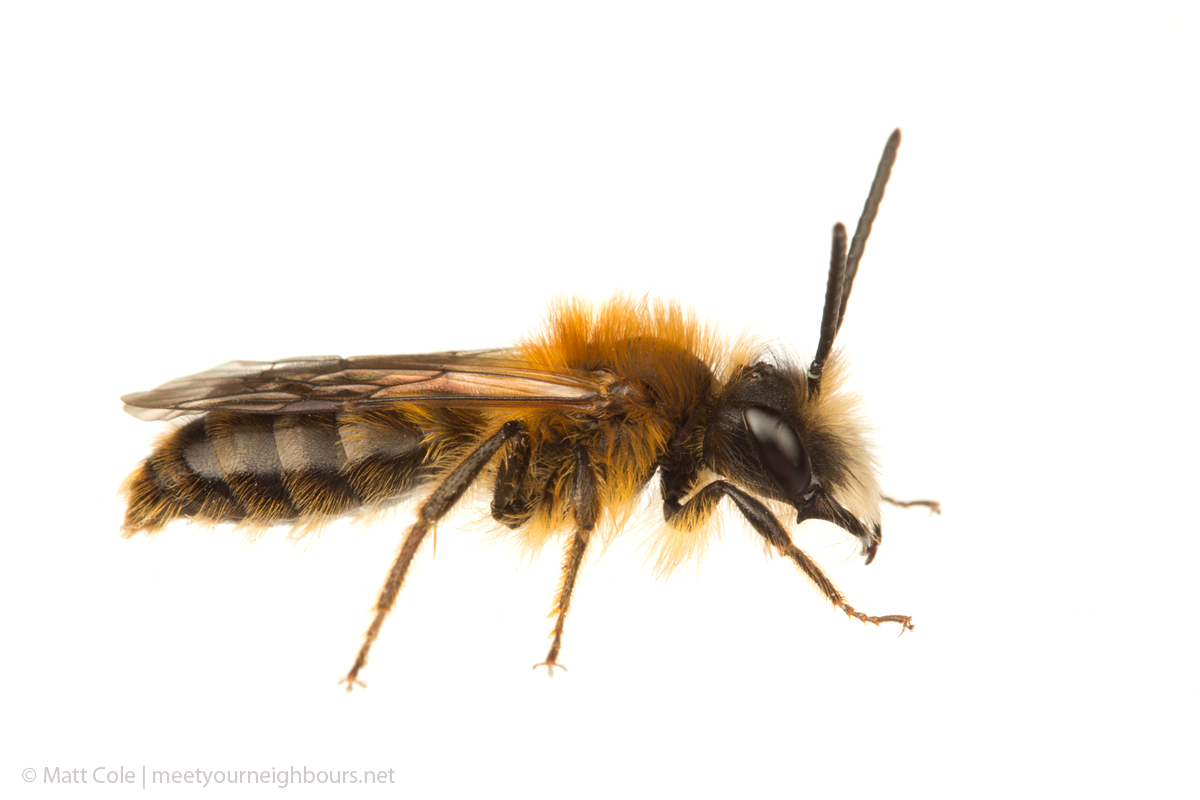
(184, 185)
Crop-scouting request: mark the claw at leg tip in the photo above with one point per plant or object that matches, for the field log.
(351, 681)
(550, 666)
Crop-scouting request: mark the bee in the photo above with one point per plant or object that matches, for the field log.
(565, 431)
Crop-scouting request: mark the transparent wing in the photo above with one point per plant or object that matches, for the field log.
(318, 384)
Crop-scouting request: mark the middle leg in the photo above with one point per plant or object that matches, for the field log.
(586, 502)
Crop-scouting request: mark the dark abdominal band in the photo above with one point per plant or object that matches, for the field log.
(273, 468)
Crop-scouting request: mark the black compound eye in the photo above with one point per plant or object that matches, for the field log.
(779, 449)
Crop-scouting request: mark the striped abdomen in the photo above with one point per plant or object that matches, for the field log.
(264, 469)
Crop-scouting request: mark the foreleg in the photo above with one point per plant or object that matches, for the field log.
(704, 502)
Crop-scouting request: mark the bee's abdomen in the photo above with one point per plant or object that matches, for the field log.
(264, 469)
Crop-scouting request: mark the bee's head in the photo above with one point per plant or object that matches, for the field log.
(793, 435)
(780, 438)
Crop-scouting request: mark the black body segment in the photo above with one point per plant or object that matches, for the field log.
(263, 469)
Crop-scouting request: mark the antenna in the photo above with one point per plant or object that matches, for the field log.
(843, 267)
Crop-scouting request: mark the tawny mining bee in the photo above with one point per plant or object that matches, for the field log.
(566, 429)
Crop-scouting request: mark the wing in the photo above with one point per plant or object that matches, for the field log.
(320, 384)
